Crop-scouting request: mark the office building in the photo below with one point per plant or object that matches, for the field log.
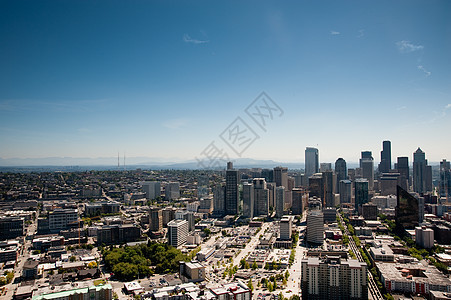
(311, 161)
(316, 185)
(183, 214)
(280, 201)
(299, 197)
(445, 179)
(424, 237)
(261, 197)
(281, 176)
(248, 200)
(369, 211)
(404, 172)
(99, 292)
(172, 191)
(409, 210)
(385, 164)
(118, 234)
(60, 219)
(332, 277)
(367, 168)
(315, 227)
(324, 167)
(345, 191)
(388, 183)
(191, 271)
(271, 186)
(219, 200)
(268, 174)
(361, 193)
(152, 189)
(177, 232)
(286, 224)
(202, 186)
(341, 172)
(330, 215)
(156, 219)
(328, 188)
(11, 227)
(232, 195)
(422, 173)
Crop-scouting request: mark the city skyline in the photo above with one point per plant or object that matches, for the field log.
(164, 81)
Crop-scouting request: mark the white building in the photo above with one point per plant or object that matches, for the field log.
(286, 227)
(152, 189)
(60, 218)
(172, 191)
(424, 237)
(177, 232)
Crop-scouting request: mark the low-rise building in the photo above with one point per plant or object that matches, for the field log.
(191, 271)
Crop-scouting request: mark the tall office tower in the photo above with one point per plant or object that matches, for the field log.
(367, 166)
(152, 189)
(332, 277)
(445, 179)
(291, 183)
(261, 197)
(299, 200)
(311, 161)
(424, 237)
(219, 200)
(156, 219)
(388, 183)
(271, 186)
(340, 171)
(229, 165)
(352, 174)
(385, 164)
(409, 210)
(280, 201)
(315, 185)
(315, 227)
(268, 174)
(232, 195)
(323, 167)
(286, 224)
(172, 191)
(345, 191)
(248, 200)
(403, 169)
(177, 232)
(299, 180)
(202, 186)
(281, 176)
(328, 189)
(361, 193)
(422, 173)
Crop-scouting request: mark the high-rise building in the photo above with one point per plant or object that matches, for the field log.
(271, 186)
(345, 191)
(403, 168)
(202, 186)
(328, 188)
(299, 198)
(316, 185)
(367, 167)
(445, 179)
(361, 193)
(332, 277)
(232, 195)
(422, 173)
(409, 210)
(248, 200)
(172, 191)
(369, 211)
(268, 174)
(60, 219)
(11, 227)
(385, 164)
(424, 237)
(177, 232)
(156, 219)
(311, 161)
(286, 227)
(324, 167)
(152, 189)
(281, 176)
(315, 227)
(388, 183)
(280, 201)
(261, 197)
(219, 200)
(340, 171)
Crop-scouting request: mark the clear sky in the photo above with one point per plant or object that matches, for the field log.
(165, 78)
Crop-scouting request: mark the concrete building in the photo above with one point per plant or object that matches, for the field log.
(280, 201)
(152, 189)
(191, 271)
(388, 183)
(177, 232)
(404, 172)
(172, 191)
(59, 219)
(248, 200)
(11, 227)
(324, 167)
(332, 277)
(118, 234)
(232, 195)
(261, 197)
(328, 188)
(315, 227)
(367, 167)
(424, 237)
(99, 292)
(316, 186)
(422, 173)
(385, 164)
(299, 197)
(156, 219)
(286, 224)
(369, 211)
(219, 200)
(281, 176)
(341, 172)
(345, 191)
(311, 161)
(445, 180)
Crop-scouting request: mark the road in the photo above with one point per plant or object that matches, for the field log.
(373, 290)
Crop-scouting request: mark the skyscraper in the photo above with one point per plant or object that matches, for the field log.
(232, 192)
(409, 210)
(281, 176)
(202, 186)
(385, 164)
(367, 166)
(340, 171)
(422, 173)
(172, 191)
(315, 186)
(345, 191)
(445, 179)
(219, 200)
(152, 189)
(361, 192)
(300, 200)
(311, 161)
(403, 169)
(280, 201)
(248, 200)
(328, 189)
(261, 197)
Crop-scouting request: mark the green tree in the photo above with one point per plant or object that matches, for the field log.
(249, 285)
(254, 265)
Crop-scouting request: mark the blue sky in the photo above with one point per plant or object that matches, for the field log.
(165, 78)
